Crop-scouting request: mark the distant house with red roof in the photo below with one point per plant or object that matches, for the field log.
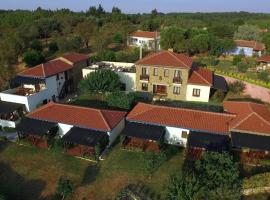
(264, 62)
(248, 48)
(169, 75)
(46, 82)
(146, 39)
(84, 128)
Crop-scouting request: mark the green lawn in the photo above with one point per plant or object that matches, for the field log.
(30, 173)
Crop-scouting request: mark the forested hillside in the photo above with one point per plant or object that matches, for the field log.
(28, 38)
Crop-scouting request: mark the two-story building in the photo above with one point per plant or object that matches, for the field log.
(168, 75)
(146, 39)
(43, 83)
(248, 48)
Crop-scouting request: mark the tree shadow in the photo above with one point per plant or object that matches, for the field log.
(90, 174)
(16, 187)
(3, 145)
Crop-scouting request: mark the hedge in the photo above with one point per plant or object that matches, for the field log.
(242, 78)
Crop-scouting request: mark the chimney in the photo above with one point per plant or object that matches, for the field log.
(141, 52)
(171, 49)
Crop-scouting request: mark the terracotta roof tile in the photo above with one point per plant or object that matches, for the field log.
(251, 117)
(47, 69)
(180, 117)
(201, 76)
(75, 57)
(264, 59)
(102, 120)
(166, 59)
(257, 46)
(145, 34)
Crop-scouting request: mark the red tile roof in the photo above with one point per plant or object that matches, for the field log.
(102, 120)
(145, 34)
(264, 59)
(47, 69)
(166, 59)
(257, 46)
(251, 117)
(201, 76)
(183, 118)
(76, 57)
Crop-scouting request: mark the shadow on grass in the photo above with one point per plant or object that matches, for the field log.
(3, 145)
(90, 174)
(16, 187)
(254, 170)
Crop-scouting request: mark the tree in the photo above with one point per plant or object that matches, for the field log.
(182, 186)
(266, 41)
(247, 32)
(237, 59)
(200, 43)
(69, 44)
(117, 38)
(86, 30)
(36, 45)
(65, 187)
(242, 67)
(220, 46)
(33, 58)
(219, 175)
(121, 100)
(100, 81)
(264, 76)
(173, 37)
(222, 31)
(53, 47)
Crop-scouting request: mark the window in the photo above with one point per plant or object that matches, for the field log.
(166, 72)
(177, 73)
(196, 92)
(144, 87)
(57, 76)
(144, 71)
(155, 71)
(176, 90)
(184, 134)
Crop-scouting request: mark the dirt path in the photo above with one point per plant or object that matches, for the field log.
(254, 91)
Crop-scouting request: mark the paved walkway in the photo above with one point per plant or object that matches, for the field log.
(254, 91)
(10, 136)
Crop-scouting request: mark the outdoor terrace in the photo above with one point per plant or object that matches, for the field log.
(114, 66)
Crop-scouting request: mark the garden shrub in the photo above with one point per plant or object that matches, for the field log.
(121, 99)
(242, 67)
(259, 180)
(236, 87)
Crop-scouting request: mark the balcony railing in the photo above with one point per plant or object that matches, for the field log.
(144, 77)
(177, 80)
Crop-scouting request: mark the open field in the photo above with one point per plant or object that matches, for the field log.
(32, 174)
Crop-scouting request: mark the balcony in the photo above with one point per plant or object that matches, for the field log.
(177, 80)
(30, 98)
(144, 77)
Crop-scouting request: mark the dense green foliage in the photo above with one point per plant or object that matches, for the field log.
(216, 176)
(236, 87)
(27, 35)
(121, 100)
(64, 188)
(100, 81)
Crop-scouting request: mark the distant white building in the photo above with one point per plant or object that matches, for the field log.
(146, 39)
(248, 48)
(126, 72)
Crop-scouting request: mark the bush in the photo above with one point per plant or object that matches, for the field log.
(65, 187)
(3, 138)
(108, 56)
(33, 58)
(242, 67)
(237, 59)
(259, 180)
(236, 87)
(121, 100)
(36, 45)
(53, 47)
(264, 76)
(8, 129)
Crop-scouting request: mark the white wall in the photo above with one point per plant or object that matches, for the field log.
(204, 94)
(129, 79)
(63, 129)
(116, 131)
(174, 136)
(143, 42)
(11, 124)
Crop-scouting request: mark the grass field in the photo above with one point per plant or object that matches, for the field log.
(32, 174)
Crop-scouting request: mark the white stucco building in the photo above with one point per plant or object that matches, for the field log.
(248, 48)
(146, 39)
